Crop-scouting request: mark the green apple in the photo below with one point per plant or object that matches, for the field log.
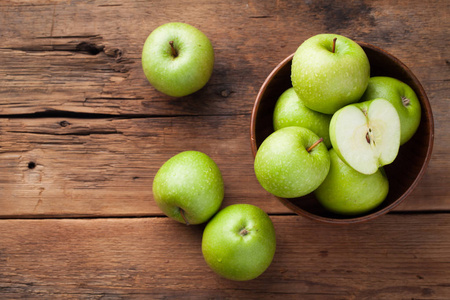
(291, 162)
(177, 59)
(189, 187)
(290, 111)
(348, 192)
(329, 71)
(239, 242)
(404, 99)
(366, 135)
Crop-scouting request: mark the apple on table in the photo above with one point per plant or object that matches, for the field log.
(239, 242)
(189, 187)
(177, 59)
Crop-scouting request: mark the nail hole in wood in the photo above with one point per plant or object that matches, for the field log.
(64, 123)
(31, 165)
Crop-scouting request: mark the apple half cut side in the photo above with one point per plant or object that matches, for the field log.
(366, 135)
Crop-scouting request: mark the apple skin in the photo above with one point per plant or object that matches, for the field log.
(404, 99)
(290, 111)
(285, 168)
(366, 135)
(184, 74)
(327, 81)
(189, 184)
(348, 192)
(239, 242)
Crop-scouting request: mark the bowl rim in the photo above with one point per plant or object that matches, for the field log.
(370, 216)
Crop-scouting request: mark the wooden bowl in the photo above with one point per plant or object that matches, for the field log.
(403, 174)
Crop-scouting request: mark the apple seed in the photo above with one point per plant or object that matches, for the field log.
(369, 137)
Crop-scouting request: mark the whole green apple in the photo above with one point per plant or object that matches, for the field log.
(366, 135)
(290, 111)
(291, 162)
(177, 59)
(329, 71)
(239, 242)
(189, 187)
(404, 99)
(348, 192)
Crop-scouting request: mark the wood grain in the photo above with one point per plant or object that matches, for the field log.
(159, 258)
(82, 134)
(79, 62)
(105, 167)
(85, 56)
(100, 167)
(82, 60)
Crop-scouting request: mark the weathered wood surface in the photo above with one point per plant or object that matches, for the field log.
(105, 167)
(83, 56)
(101, 167)
(158, 258)
(79, 62)
(82, 134)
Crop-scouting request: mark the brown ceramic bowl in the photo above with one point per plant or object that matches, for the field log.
(403, 174)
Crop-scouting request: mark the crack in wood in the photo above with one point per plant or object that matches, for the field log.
(113, 98)
(82, 47)
(77, 133)
(109, 5)
(86, 115)
(260, 17)
(87, 36)
(39, 202)
(89, 48)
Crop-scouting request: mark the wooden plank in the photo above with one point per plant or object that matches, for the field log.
(85, 56)
(105, 167)
(394, 257)
(81, 57)
(98, 167)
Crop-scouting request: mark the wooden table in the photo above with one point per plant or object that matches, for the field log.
(83, 134)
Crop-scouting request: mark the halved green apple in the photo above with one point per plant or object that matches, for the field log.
(366, 135)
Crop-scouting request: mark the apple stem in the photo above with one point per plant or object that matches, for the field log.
(183, 216)
(174, 51)
(314, 145)
(334, 45)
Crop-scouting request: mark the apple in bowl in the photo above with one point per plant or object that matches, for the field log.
(404, 173)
